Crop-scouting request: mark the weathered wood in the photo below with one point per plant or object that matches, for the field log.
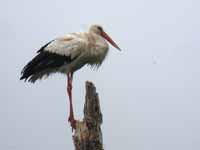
(88, 135)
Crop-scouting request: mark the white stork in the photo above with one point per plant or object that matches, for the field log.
(66, 55)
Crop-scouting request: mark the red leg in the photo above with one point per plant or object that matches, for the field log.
(69, 90)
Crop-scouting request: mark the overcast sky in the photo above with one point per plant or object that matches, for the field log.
(149, 92)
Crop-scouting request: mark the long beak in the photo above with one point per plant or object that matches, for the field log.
(105, 35)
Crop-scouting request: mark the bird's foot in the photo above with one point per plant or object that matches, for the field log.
(72, 122)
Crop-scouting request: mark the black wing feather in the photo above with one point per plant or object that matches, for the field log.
(42, 62)
(43, 47)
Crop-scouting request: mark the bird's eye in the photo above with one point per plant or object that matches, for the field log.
(99, 28)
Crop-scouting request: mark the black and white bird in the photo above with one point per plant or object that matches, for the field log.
(66, 55)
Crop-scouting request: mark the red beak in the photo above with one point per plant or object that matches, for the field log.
(105, 35)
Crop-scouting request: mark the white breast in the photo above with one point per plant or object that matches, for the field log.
(98, 49)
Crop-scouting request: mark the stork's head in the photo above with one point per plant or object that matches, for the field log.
(99, 30)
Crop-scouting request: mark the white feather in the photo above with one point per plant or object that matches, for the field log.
(69, 45)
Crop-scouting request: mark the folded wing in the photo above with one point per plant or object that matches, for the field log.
(51, 57)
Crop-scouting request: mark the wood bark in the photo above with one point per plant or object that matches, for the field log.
(88, 135)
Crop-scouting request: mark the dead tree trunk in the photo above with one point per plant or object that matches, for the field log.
(88, 135)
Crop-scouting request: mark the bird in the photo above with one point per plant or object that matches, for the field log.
(66, 55)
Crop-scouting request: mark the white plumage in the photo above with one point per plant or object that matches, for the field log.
(87, 48)
(67, 54)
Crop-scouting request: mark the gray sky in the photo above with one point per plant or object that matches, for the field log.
(149, 92)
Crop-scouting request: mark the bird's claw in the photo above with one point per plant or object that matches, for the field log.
(72, 122)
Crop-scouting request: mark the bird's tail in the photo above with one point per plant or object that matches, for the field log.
(34, 69)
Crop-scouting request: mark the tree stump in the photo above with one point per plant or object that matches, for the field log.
(88, 135)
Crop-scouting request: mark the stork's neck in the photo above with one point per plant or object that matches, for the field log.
(97, 40)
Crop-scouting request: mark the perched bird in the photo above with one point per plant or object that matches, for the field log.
(66, 55)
